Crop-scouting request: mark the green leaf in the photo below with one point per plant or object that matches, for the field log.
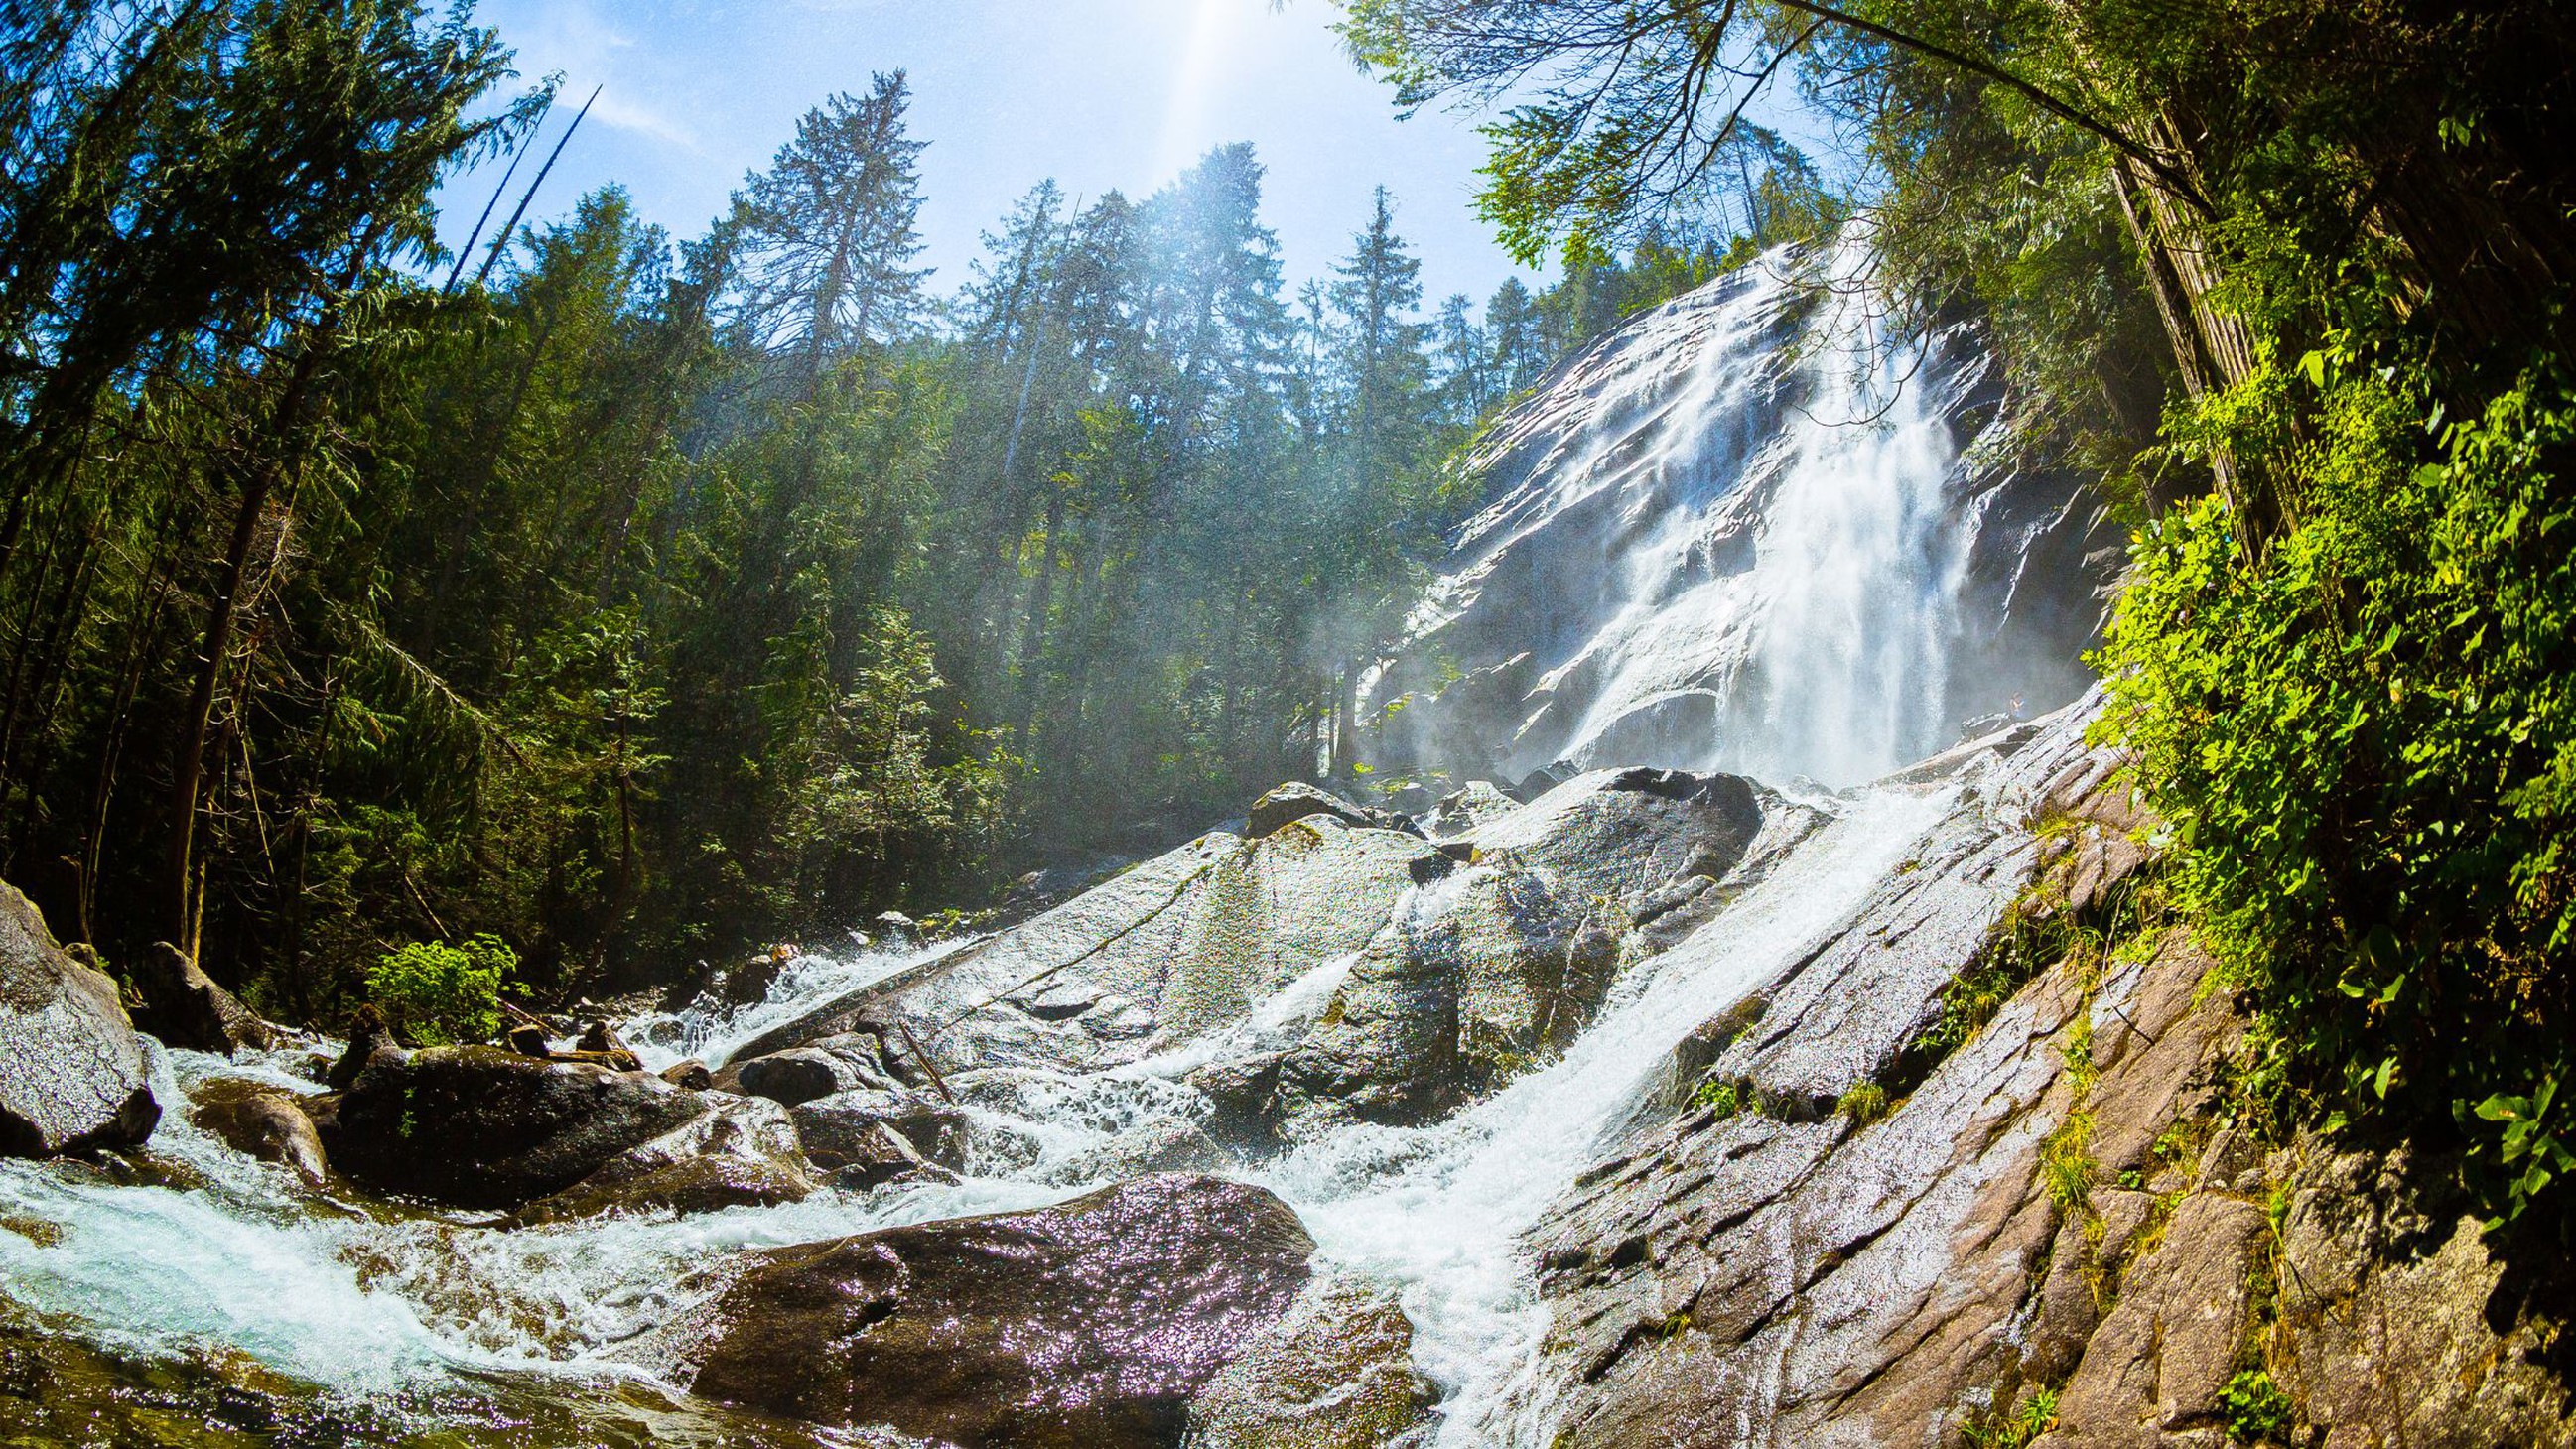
(2501, 1108)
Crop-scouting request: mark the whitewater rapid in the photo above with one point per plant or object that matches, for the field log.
(230, 1256)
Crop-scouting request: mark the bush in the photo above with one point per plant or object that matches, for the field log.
(2365, 740)
(442, 995)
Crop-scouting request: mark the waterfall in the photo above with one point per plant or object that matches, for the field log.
(1752, 530)
(1749, 531)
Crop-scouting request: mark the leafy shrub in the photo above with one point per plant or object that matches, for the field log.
(442, 995)
(2366, 742)
(1725, 1097)
(2255, 1408)
(2034, 1416)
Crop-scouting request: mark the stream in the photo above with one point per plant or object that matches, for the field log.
(426, 1325)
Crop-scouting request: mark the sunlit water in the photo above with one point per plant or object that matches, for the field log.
(1743, 541)
(368, 1305)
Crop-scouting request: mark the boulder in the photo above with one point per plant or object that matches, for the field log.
(1177, 947)
(1465, 987)
(1388, 1050)
(72, 1072)
(1297, 800)
(1092, 1324)
(1456, 816)
(184, 1007)
(1163, 1145)
(600, 1042)
(1336, 1372)
(692, 1074)
(483, 1127)
(371, 1040)
(743, 1152)
(1626, 834)
(269, 1123)
(845, 1063)
(881, 1132)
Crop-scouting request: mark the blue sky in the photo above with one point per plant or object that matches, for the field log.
(1096, 93)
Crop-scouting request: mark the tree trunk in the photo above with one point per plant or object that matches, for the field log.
(187, 770)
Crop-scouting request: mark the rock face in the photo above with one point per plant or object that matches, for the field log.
(1175, 947)
(1335, 1372)
(72, 1072)
(1089, 1325)
(1625, 834)
(185, 1008)
(487, 1128)
(2047, 1232)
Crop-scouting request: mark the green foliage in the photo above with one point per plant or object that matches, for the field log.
(1864, 1103)
(2066, 1164)
(1723, 1096)
(2367, 745)
(2035, 1414)
(2255, 1409)
(441, 995)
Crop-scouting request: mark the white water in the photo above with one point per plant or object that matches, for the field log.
(1441, 1209)
(1741, 538)
(369, 1307)
(708, 1032)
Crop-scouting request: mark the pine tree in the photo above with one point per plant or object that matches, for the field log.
(828, 232)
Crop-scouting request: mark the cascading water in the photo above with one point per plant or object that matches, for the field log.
(1739, 542)
(1749, 531)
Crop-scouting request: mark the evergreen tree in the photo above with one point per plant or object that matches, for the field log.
(828, 232)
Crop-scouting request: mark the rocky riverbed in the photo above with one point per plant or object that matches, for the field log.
(1653, 1108)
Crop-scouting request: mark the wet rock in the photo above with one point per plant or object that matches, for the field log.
(1175, 948)
(1849, 1014)
(600, 1042)
(486, 1128)
(1336, 1372)
(1297, 800)
(184, 1007)
(1387, 1050)
(529, 1040)
(1467, 986)
(1167, 1145)
(371, 1041)
(851, 1129)
(269, 1123)
(1243, 1096)
(803, 1074)
(743, 1152)
(1626, 834)
(1089, 1325)
(1043, 890)
(1752, 1279)
(2166, 1351)
(692, 1074)
(72, 1072)
(1456, 815)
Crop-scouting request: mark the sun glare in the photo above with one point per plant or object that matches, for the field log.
(1194, 84)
